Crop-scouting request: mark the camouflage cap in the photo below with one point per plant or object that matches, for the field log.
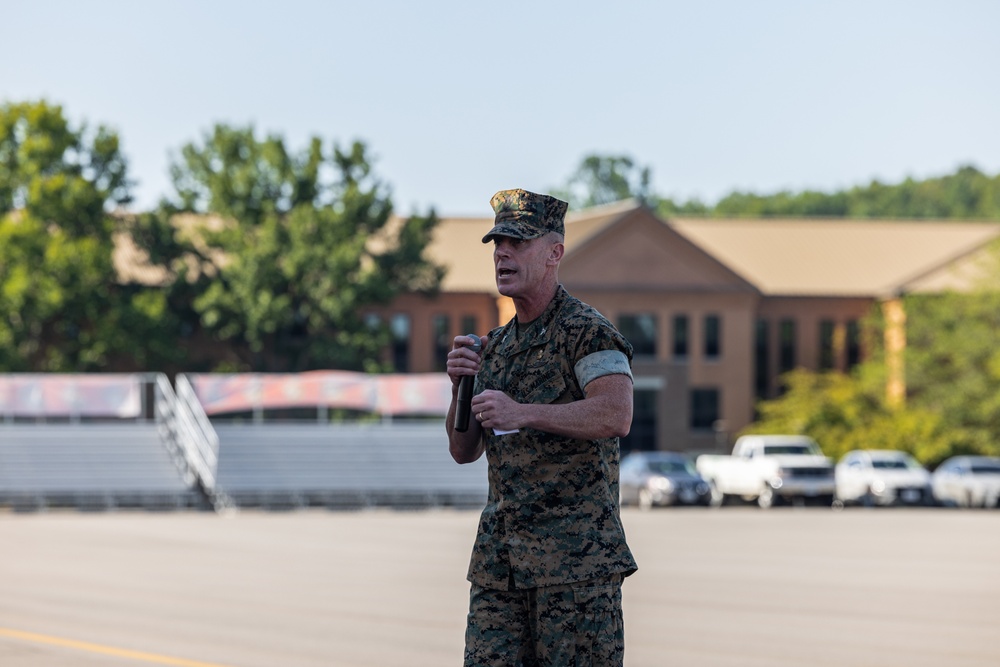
(526, 215)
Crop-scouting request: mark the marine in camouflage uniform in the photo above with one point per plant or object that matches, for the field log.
(550, 553)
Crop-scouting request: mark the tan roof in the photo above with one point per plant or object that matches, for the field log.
(978, 269)
(805, 257)
(582, 225)
(457, 245)
(837, 257)
(132, 262)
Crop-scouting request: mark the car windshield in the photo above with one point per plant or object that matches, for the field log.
(671, 466)
(893, 464)
(985, 468)
(790, 449)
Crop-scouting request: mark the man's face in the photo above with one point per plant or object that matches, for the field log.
(520, 265)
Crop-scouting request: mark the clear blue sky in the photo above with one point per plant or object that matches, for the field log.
(459, 99)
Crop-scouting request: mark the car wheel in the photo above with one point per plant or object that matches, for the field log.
(766, 498)
(645, 499)
(716, 498)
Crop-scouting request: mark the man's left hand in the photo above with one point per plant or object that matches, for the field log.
(495, 409)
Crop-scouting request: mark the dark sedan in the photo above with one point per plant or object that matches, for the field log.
(657, 479)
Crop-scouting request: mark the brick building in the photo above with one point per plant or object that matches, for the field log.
(716, 309)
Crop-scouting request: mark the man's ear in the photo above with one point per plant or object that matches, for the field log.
(556, 252)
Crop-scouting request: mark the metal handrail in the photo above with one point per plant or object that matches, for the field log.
(188, 427)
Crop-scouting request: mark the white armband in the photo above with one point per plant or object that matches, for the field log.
(599, 364)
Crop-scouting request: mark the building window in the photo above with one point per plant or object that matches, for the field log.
(400, 327)
(786, 340)
(642, 435)
(713, 336)
(640, 330)
(680, 336)
(373, 322)
(469, 325)
(704, 409)
(762, 365)
(853, 344)
(827, 349)
(440, 330)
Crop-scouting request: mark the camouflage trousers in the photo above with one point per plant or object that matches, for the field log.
(573, 625)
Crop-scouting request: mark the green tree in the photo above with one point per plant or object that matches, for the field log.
(783, 204)
(966, 194)
(844, 412)
(305, 242)
(952, 362)
(62, 307)
(667, 207)
(604, 179)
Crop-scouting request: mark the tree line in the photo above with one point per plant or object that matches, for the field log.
(967, 194)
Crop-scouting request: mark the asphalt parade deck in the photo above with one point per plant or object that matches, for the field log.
(734, 587)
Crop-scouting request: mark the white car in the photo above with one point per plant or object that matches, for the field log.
(771, 469)
(968, 481)
(882, 477)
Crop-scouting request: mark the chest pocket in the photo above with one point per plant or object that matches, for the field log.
(548, 388)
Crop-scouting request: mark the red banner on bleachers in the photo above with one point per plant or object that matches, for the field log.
(395, 394)
(64, 395)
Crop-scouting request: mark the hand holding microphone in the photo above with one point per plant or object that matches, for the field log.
(463, 402)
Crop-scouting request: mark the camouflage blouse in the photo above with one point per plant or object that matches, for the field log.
(552, 514)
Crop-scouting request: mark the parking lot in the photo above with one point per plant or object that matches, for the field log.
(729, 587)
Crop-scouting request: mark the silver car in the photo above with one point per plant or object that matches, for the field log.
(650, 479)
(882, 477)
(968, 481)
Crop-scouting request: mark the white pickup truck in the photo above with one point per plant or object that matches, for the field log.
(770, 469)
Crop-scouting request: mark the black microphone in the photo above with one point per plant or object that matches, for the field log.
(463, 405)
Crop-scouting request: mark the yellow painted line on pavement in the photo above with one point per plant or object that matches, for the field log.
(104, 650)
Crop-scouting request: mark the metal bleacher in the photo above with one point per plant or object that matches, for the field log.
(166, 453)
(395, 464)
(92, 466)
(102, 442)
